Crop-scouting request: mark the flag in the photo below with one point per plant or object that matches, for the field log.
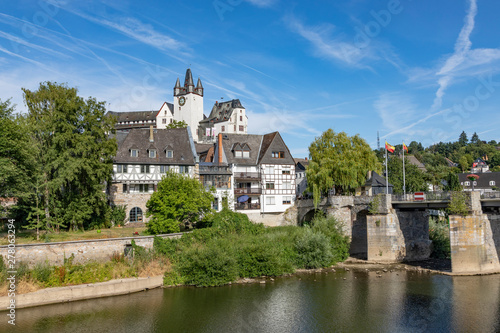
(389, 148)
(213, 131)
(405, 148)
(207, 132)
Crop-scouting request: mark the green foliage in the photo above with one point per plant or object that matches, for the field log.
(415, 178)
(177, 124)
(458, 205)
(313, 250)
(340, 161)
(208, 266)
(179, 199)
(374, 206)
(452, 182)
(118, 214)
(439, 234)
(339, 242)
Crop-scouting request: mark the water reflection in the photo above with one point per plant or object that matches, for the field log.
(347, 301)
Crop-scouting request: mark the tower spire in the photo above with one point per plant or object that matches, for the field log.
(199, 88)
(188, 81)
(177, 88)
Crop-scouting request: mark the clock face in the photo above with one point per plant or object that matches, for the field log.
(182, 101)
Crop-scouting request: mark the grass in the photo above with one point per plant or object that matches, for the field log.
(29, 236)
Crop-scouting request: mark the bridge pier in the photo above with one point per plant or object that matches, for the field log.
(473, 248)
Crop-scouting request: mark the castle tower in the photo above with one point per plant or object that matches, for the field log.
(188, 103)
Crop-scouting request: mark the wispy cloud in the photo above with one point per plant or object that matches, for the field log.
(462, 47)
(327, 46)
(262, 3)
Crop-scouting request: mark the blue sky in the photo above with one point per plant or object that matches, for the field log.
(412, 70)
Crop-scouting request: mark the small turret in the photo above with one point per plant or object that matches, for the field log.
(177, 88)
(199, 88)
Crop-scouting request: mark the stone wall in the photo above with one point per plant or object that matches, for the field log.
(385, 238)
(130, 200)
(415, 228)
(84, 251)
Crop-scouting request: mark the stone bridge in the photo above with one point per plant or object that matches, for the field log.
(400, 230)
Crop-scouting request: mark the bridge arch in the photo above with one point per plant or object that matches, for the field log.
(309, 216)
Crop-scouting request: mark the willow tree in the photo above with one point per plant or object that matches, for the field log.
(338, 161)
(73, 155)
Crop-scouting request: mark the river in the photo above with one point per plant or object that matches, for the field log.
(341, 301)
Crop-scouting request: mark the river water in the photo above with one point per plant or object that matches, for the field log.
(341, 301)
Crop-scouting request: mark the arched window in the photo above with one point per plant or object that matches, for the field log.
(135, 215)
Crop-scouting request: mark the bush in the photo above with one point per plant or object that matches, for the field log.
(439, 234)
(42, 272)
(210, 265)
(118, 214)
(313, 250)
(339, 243)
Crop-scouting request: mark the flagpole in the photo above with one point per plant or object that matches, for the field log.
(386, 172)
(404, 176)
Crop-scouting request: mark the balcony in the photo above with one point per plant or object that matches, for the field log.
(247, 175)
(247, 190)
(246, 206)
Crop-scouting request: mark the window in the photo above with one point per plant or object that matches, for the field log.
(124, 188)
(492, 183)
(143, 188)
(169, 153)
(246, 154)
(285, 171)
(467, 183)
(287, 185)
(134, 152)
(474, 183)
(238, 153)
(241, 118)
(144, 168)
(287, 200)
(270, 169)
(235, 128)
(242, 128)
(278, 154)
(121, 168)
(164, 121)
(223, 128)
(184, 169)
(269, 186)
(152, 153)
(270, 201)
(135, 215)
(163, 168)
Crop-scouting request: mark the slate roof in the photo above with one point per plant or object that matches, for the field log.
(176, 139)
(301, 164)
(222, 111)
(253, 141)
(484, 179)
(140, 117)
(376, 181)
(413, 160)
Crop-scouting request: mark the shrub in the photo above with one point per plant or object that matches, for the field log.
(227, 221)
(458, 204)
(118, 214)
(209, 265)
(313, 250)
(439, 234)
(42, 272)
(339, 243)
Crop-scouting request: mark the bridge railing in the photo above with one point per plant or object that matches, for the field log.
(429, 196)
(490, 195)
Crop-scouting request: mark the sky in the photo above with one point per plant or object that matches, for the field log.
(409, 70)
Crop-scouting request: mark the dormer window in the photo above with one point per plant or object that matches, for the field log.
(492, 183)
(134, 152)
(278, 154)
(152, 153)
(169, 154)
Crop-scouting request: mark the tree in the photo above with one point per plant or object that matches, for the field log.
(179, 199)
(475, 139)
(73, 155)
(436, 174)
(463, 140)
(339, 161)
(415, 179)
(177, 124)
(452, 182)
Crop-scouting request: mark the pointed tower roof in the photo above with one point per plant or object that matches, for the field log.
(198, 85)
(177, 84)
(189, 78)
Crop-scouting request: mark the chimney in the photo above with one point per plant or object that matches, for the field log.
(306, 158)
(219, 139)
(151, 138)
(369, 175)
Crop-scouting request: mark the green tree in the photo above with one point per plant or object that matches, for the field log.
(177, 124)
(452, 182)
(463, 140)
(73, 155)
(436, 174)
(179, 199)
(415, 179)
(340, 161)
(474, 139)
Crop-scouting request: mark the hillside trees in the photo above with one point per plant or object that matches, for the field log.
(339, 161)
(415, 179)
(73, 157)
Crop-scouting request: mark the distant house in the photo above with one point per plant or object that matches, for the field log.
(413, 160)
(451, 164)
(301, 165)
(487, 182)
(479, 166)
(375, 184)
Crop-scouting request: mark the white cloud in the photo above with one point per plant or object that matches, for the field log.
(262, 3)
